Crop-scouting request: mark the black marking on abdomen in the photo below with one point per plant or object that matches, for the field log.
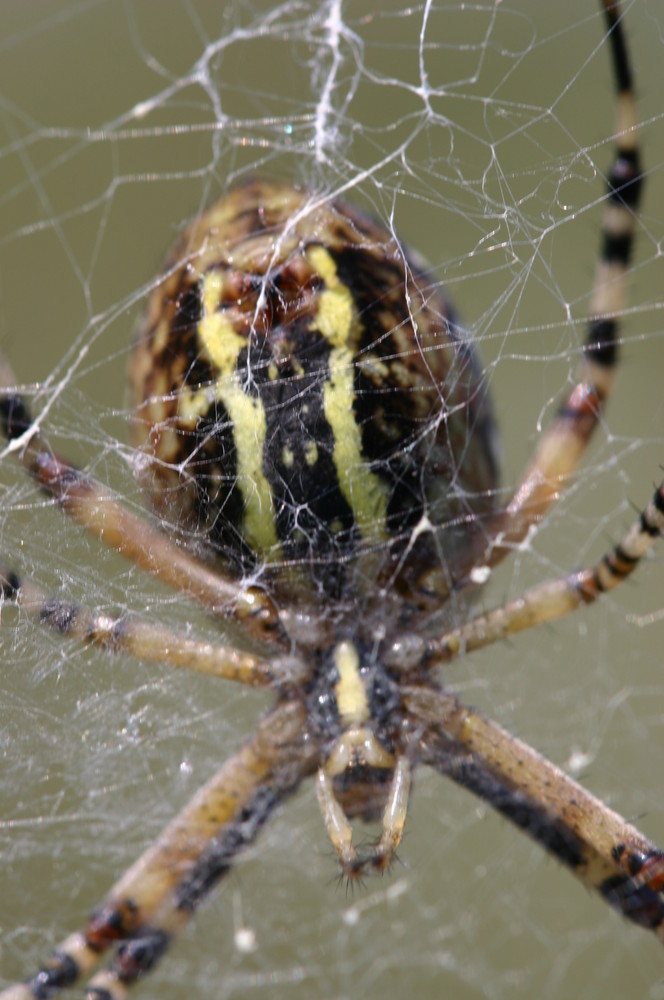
(313, 519)
(220, 504)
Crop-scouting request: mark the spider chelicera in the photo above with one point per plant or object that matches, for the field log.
(308, 408)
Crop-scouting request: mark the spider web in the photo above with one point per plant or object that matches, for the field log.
(478, 132)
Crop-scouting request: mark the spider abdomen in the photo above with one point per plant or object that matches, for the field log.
(304, 394)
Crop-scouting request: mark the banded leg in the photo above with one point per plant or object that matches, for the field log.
(564, 442)
(146, 641)
(599, 846)
(159, 894)
(98, 511)
(543, 603)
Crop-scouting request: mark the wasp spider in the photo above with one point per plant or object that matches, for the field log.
(318, 420)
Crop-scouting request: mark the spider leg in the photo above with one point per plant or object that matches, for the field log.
(394, 816)
(564, 442)
(146, 641)
(338, 828)
(97, 510)
(159, 893)
(545, 602)
(340, 832)
(601, 848)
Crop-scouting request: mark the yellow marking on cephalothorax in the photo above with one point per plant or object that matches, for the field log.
(349, 690)
(222, 346)
(336, 319)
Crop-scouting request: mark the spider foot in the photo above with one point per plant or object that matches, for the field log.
(376, 858)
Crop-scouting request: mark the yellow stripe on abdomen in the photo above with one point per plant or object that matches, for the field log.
(364, 492)
(222, 346)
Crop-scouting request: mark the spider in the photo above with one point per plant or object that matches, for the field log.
(312, 416)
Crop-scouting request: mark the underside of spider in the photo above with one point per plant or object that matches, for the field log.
(310, 418)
